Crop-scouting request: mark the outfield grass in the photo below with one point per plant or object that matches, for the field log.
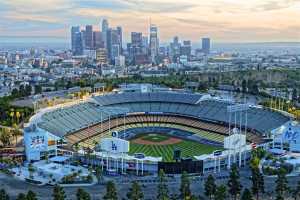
(188, 149)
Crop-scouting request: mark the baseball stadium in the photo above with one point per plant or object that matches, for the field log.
(155, 124)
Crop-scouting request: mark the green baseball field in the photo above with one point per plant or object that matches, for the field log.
(159, 145)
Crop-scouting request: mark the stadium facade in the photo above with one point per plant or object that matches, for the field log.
(55, 131)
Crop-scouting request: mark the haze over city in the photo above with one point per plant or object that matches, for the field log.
(223, 20)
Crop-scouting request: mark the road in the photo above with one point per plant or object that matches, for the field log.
(149, 185)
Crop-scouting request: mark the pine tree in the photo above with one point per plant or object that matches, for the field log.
(31, 195)
(21, 196)
(221, 193)
(185, 191)
(135, 192)
(162, 187)
(296, 191)
(210, 186)
(3, 195)
(111, 191)
(58, 193)
(82, 195)
(281, 184)
(234, 184)
(257, 182)
(246, 195)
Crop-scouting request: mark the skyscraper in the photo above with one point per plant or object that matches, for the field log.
(153, 43)
(89, 37)
(120, 33)
(113, 44)
(206, 45)
(175, 48)
(78, 49)
(76, 41)
(74, 30)
(136, 46)
(186, 48)
(136, 39)
(97, 38)
(104, 29)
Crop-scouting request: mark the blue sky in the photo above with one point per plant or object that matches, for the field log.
(222, 20)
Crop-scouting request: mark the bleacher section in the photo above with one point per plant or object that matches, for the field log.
(132, 97)
(185, 104)
(76, 117)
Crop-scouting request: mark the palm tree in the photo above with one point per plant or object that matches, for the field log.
(31, 170)
(16, 132)
(12, 114)
(5, 136)
(18, 115)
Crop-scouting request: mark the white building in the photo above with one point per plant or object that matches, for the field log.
(120, 61)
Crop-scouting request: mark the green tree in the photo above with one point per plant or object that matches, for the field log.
(246, 195)
(163, 192)
(257, 182)
(234, 184)
(37, 89)
(15, 93)
(5, 136)
(210, 186)
(21, 196)
(111, 191)
(221, 193)
(3, 195)
(58, 193)
(31, 195)
(281, 184)
(28, 90)
(244, 86)
(22, 92)
(296, 191)
(185, 191)
(98, 172)
(294, 94)
(135, 192)
(81, 194)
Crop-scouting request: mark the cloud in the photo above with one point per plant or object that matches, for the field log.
(155, 6)
(189, 19)
(32, 18)
(275, 5)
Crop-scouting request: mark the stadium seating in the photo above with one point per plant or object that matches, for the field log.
(83, 121)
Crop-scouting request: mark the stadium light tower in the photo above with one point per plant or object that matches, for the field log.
(236, 139)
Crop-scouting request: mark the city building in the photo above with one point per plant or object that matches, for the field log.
(101, 56)
(104, 29)
(175, 49)
(154, 43)
(186, 48)
(76, 41)
(120, 61)
(89, 37)
(97, 39)
(206, 45)
(113, 44)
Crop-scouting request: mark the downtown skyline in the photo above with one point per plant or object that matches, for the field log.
(223, 20)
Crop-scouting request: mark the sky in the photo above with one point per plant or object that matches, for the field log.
(221, 20)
